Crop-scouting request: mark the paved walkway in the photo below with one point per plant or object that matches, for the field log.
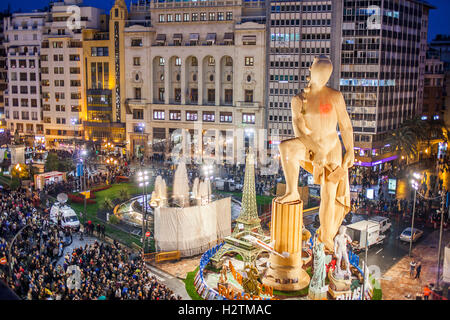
(396, 283)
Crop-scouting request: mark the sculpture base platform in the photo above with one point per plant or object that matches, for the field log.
(338, 287)
(314, 294)
(286, 274)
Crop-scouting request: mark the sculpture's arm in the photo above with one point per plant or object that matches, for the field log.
(346, 129)
(299, 125)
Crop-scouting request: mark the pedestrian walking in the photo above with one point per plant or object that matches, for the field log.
(426, 292)
(412, 267)
(418, 270)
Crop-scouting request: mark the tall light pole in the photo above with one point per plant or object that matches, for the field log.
(84, 154)
(415, 185)
(143, 179)
(438, 275)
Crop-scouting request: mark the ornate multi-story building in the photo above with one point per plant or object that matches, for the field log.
(23, 36)
(104, 66)
(199, 67)
(63, 77)
(3, 72)
(434, 87)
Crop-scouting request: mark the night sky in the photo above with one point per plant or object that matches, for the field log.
(439, 18)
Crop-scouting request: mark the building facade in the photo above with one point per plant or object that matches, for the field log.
(200, 68)
(23, 36)
(382, 70)
(434, 87)
(298, 31)
(63, 79)
(104, 67)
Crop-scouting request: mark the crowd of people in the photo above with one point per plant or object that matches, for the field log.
(107, 271)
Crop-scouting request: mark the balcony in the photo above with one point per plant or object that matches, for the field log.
(245, 104)
(104, 124)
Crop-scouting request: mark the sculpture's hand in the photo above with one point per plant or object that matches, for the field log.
(349, 160)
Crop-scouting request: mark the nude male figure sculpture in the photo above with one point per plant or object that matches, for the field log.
(316, 147)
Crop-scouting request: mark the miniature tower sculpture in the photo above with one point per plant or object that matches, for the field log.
(248, 217)
(181, 186)
(248, 222)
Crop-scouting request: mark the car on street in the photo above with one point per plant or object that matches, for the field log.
(406, 234)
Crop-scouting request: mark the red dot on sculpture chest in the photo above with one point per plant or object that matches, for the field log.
(324, 108)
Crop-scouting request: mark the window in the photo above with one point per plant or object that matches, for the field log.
(228, 61)
(162, 61)
(57, 44)
(169, 18)
(58, 70)
(228, 96)
(13, 62)
(14, 89)
(74, 70)
(34, 115)
(15, 102)
(75, 95)
(23, 76)
(178, 61)
(194, 62)
(202, 16)
(59, 83)
(136, 42)
(72, 57)
(34, 103)
(194, 95)
(161, 94)
(209, 116)
(177, 17)
(226, 117)
(220, 16)
(229, 15)
(175, 115)
(138, 114)
(75, 83)
(15, 114)
(75, 108)
(248, 95)
(186, 17)
(211, 95)
(136, 61)
(249, 61)
(177, 94)
(58, 57)
(137, 93)
(191, 116)
(162, 18)
(99, 51)
(195, 16)
(211, 61)
(248, 118)
(212, 16)
(24, 102)
(13, 76)
(60, 108)
(158, 114)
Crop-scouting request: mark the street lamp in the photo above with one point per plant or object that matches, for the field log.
(144, 180)
(84, 155)
(415, 185)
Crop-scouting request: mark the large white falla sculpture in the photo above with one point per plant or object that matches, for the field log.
(316, 113)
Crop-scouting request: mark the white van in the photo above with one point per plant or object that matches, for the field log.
(385, 223)
(66, 214)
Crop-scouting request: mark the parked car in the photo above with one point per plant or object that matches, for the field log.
(384, 222)
(406, 234)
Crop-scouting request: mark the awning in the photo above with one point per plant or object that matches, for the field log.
(229, 36)
(249, 38)
(161, 37)
(211, 37)
(178, 36)
(194, 37)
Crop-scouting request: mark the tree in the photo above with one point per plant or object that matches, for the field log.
(107, 204)
(52, 162)
(124, 194)
(404, 140)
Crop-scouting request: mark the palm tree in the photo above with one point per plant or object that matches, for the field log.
(405, 140)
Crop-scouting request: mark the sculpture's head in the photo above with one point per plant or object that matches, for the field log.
(342, 229)
(320, 71)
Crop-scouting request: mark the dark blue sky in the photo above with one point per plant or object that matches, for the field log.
(439, 18)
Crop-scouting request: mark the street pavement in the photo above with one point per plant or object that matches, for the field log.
(396, 283)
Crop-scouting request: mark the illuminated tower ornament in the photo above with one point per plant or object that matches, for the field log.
(247, 224)
(248, 219)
